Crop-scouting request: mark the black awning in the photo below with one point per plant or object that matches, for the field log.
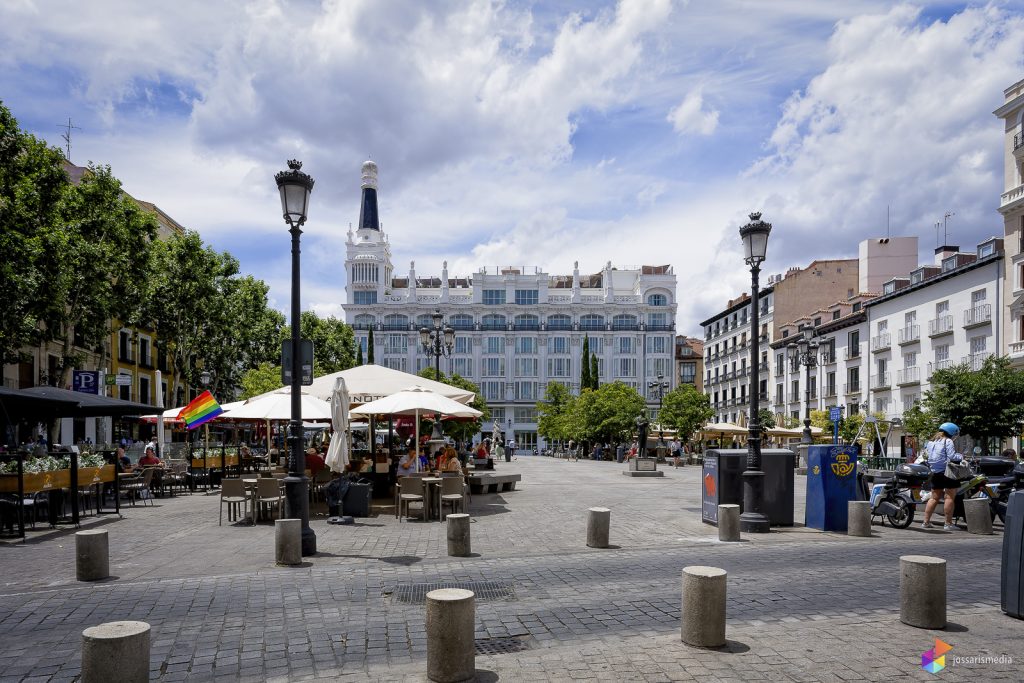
(16, 405)
(78, 404)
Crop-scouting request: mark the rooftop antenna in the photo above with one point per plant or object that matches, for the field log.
(945, 231)
(67, 137)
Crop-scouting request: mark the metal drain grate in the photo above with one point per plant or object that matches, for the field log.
(501, 646)
(416, 593)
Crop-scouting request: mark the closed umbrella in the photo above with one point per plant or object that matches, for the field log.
(338, 451)
(413, 401)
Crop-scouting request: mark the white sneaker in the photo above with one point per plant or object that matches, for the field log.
(927, 525)
(950, 527)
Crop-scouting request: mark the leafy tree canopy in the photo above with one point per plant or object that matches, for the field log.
(261, 379)
(988, 402)
(607, 413)
(685, 410)
(552, 412)
(766, 418)
(334, 343)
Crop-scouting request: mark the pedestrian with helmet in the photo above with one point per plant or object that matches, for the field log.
(941, 451)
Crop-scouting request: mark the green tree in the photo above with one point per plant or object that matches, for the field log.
(585, 365)
(359, 354)
(984, 403)
(98, 261)
(606, 413)
(32, 185)
(369, 348)
(552, 412)
(685, 410)
(920, 422)
(595, 380)
(334, 344)
(461, 429)
(851, 424)
(261, 379)
(766, 418)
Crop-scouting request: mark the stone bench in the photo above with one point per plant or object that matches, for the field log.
(492, 483)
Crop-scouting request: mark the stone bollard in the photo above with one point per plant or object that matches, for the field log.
(729, 523)
(116, 651)
(923, 591)
(288, 541)
(703, 622)
(598, 522)
(451, 650)
(858, 515)
(92, 555)
(979, 515)
(458, 535)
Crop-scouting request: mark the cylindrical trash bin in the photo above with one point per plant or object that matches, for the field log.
(451, 650)
(1011, 583)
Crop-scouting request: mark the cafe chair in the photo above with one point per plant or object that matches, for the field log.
(268, 494)
(410, 490)
(453, 492)
(234, 495)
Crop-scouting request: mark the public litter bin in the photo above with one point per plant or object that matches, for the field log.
(1011, 580)
(777, 465)
(721, 481)
(357, 500)
(831, 484)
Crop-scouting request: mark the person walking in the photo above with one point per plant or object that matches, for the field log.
(940, 451)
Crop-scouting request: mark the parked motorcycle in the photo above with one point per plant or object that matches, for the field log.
(897, 498)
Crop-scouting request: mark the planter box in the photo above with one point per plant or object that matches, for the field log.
(43, 481)
(213, 462)
(88, 476)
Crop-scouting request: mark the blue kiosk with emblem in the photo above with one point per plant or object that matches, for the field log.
(831, 484)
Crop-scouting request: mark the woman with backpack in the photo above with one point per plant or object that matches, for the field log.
(941, 451)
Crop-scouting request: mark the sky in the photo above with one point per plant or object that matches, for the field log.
(534, 133)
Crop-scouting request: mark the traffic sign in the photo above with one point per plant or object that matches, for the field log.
(835, 413)
(123, 380)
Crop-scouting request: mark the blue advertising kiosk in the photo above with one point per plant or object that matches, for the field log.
(831, 484)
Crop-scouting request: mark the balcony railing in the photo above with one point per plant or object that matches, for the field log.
(979, 315)
(940, 326)
(975, 360)
(1016, 347)
(794, 397)
(780, 370)
(908, 376)
(881, 343)
(1018, 141)
(851, 388)
(852, 352)
(880, 382)
(910, 334)
(830, 391)
(944, 364)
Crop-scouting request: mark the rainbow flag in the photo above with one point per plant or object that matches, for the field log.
(202, 409)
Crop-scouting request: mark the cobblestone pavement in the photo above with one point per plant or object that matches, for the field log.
(802, 605)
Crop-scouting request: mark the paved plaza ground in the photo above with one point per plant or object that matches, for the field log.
(802, 605)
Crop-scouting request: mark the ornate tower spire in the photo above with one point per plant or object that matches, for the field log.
(368, 216)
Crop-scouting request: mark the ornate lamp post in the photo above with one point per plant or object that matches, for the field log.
(661, 385)
(805, 353)
(295, 188)
(437, 342)
(755, 247)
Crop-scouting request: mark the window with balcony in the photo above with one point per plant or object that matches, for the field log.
(625, 345)
(591, 321)
(559, 322)
(657, 300)
(463, 344)
(659, 344)
(396, 343)
(462, 366)
(527, 322)
(396, 322)
(493, 321)
(625, 321)
(461, 321)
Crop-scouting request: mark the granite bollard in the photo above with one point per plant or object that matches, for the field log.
(858, 518)
(92, 555)
(923, 591)
(729, 522)
(116, 651)
(978, 512)
(703, 614)
(458, 535)
(598, 523)
(451, 650)
(288, 541)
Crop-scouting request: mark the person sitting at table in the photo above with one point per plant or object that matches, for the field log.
(451, 463)
(407, 465)
(150, 459)
(124, 463)
(314, 461)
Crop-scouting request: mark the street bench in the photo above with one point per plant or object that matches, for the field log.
(493, 483)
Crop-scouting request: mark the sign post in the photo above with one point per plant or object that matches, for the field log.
(86, 381)
(306, 348)
(835, 413)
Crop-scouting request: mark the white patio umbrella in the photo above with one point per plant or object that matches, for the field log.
(367, 383)
(279, 407)
(338, 451)
(413, 401)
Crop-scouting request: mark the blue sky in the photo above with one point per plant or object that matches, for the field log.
(530, 133)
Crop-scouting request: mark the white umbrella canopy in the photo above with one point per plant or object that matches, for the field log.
(338, 451)
(368, 383)
(279, 407)
(723, 428)
(413, 401)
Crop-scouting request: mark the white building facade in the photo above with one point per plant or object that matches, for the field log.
(516, 328)
(1011, 206)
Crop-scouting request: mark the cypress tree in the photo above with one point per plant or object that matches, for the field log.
(369, 348)
(585, 364)
(359, 354)
(594, 377)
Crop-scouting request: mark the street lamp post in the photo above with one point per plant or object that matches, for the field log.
(805, 353)
(437, 342)
(295, 188)
(661, 385)
(755, 247)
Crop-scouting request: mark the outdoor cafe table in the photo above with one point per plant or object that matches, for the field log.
(431, 490)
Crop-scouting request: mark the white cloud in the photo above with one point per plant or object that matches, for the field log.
(691, 116)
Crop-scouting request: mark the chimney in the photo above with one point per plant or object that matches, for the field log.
(944, 252)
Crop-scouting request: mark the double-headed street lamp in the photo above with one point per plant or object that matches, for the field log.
(661, 385)
(805, 353)
(755, 247)
(295, 188)
(437, 342)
